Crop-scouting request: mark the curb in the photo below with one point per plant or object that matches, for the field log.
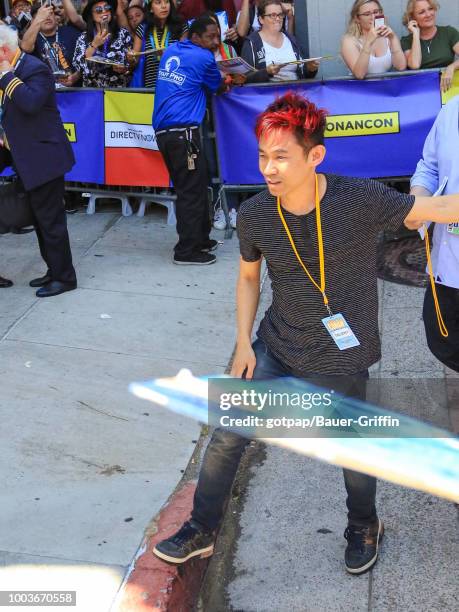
(151, 585)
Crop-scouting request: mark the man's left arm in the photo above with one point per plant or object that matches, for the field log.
(440, 209)
(29, 96)
(212, 78)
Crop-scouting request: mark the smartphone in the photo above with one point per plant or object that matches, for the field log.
(23, 20)
(380, 21)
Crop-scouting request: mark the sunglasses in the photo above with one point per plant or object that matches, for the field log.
(102, 9)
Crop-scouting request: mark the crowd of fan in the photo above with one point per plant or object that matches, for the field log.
(110, 43)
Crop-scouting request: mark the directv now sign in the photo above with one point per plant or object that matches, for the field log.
(128, 135)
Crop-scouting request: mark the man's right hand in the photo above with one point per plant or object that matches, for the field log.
(43, 13)
(244, 361)
(70, 79)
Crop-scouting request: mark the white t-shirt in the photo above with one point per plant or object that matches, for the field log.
(279, 56)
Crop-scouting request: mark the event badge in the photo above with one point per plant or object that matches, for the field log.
(453, 228)
(339, 330)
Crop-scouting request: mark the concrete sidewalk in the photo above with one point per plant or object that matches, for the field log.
(281, 546)
(84, 465)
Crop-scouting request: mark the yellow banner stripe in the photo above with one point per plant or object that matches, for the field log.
(366, 124)
(70, 131)
(128, 107)
(454, 91)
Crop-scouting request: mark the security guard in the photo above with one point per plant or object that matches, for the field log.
(187, 72)
(41, 156)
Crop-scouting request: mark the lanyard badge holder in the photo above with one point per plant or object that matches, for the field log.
(425, 234)
(335, 324)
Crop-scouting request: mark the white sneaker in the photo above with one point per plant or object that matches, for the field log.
(219, 219)
(233, 217)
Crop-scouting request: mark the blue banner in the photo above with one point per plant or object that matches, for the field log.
(376, 128)
(82, 114)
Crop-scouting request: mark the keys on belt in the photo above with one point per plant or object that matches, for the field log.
(192, 150)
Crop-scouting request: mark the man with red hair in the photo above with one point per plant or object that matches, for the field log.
(318, 234)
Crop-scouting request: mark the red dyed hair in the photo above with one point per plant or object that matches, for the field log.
(294, 114)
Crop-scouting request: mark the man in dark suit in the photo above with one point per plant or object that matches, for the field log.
(41, 156)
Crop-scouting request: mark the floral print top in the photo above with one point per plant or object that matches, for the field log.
(98, 75)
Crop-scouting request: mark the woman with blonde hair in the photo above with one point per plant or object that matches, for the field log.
(367, 49)
(429, 45)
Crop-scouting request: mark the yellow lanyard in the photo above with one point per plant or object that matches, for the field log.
(441, 323)
(163, 38)
(320, 241)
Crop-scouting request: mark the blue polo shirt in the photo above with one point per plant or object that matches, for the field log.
(186, 74)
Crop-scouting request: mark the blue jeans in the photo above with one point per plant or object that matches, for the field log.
(225, 450)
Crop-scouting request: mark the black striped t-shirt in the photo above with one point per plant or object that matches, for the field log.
(353, 212)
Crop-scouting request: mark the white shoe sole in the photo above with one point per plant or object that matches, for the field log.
(372, 561)
(194, 263)
(202, 554)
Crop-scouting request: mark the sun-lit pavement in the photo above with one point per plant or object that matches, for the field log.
(84, 465)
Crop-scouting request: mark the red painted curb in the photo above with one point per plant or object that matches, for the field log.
(153, 585)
